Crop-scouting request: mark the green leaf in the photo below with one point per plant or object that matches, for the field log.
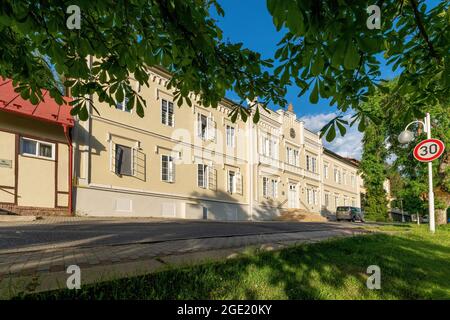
(256, 116)
(244, 114)
(119, 95)
(314, 97)
(83, 114)
(295, 19)
(271, 5)
(351, 59)
(139, 108)
(331, 134)
(341, 127)
(362, 124)
(317, 66)
(337, 58)
(234, 114)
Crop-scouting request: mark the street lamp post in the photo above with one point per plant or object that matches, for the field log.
(407, 136)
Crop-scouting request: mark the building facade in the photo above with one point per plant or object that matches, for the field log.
(194, 163)
(35, 154)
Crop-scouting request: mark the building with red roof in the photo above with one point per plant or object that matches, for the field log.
(35, 154)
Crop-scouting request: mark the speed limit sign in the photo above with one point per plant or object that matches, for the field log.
(429, 150)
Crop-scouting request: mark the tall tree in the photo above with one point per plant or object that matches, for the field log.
(415, 173)
(328, 48)
(373, 167)
(380, 143)
(126, 37)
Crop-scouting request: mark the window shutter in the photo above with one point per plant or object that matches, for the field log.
(212, 178)
(238, 178)
(270, 188)
(171, 170)
(275, 192)
(211, 129)
(138, 164)
(134, 162)
(170, 114)
(112, 164)
(164, 111)
(200, 177)
(265, 187)
(199, 125)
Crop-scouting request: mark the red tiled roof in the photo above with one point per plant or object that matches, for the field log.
(47, 110)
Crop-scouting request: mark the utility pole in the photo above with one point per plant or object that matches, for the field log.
(430, 180)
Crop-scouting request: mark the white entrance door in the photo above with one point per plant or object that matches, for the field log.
(292, 196)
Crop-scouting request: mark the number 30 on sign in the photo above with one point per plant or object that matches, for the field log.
(429, 150)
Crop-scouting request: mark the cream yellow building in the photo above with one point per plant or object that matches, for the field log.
(194, 163)
(35, 154)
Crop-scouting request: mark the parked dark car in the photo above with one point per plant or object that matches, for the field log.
(349, 213)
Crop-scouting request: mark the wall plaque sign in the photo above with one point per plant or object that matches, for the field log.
(4, 163)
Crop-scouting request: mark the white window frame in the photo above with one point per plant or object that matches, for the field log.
(274, 188)
(202, 135)
(337, 176)
(308, 195)
(231, 136)
(231, 187)
(291, 155)
(266, 146)
(168, 114)
(170, 169)
(274, 149)
(325, 170)
(205, 171)
(38, 143)
(311, 163)
(296, 157)
(132, 164)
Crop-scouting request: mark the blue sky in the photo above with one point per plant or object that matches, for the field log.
(249, 22)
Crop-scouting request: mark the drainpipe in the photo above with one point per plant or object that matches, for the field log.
(69, 143)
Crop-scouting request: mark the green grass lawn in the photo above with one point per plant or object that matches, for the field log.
(414, 265)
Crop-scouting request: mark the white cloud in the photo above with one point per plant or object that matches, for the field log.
(349, 145)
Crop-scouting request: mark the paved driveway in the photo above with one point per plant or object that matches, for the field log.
(53, 233)
(37, 254)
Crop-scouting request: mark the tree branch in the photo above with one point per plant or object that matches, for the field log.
(422, 30)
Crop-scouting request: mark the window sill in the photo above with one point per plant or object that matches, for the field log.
(26, 155)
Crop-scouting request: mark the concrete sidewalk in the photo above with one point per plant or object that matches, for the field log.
(45, 269)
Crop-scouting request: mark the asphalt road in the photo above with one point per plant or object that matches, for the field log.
(97, 232)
